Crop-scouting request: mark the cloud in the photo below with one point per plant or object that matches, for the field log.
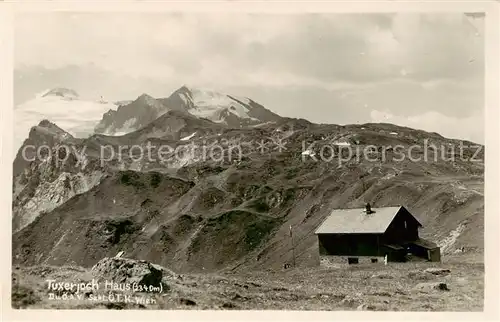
(325, 47)
(324, 67)
(469, 128)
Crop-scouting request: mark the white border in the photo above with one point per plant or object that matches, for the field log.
(492, 85)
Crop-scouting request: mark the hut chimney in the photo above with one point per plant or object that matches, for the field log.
(368, 208)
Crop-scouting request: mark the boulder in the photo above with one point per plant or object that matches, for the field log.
(419, 275)
(437, 271)
(366, 307)
(432, 286)
(382, 276)
(125, 270)
(187, 302)
(351, 302)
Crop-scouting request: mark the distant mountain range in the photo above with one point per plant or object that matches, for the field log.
(82, 117)
(214, 106)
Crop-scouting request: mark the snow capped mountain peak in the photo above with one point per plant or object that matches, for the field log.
(61, 106)
(213, 105)
(184, 89)
(65, 93)
(80, 117)
(204, 103)
(181, 98)
(205, 95)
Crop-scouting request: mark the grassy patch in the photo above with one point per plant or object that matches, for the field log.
(131, 178)
(259, 205)
(291, 173)
(118, 229)
(257, 232)
(155, 179)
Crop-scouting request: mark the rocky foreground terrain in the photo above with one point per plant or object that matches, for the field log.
(222, 219)
(397, 287)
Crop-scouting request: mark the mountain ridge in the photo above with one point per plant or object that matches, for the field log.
(215, 106)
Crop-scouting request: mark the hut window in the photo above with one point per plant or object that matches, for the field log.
(405, 225)
(352, 260)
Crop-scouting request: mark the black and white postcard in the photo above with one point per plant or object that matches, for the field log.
(250, 157)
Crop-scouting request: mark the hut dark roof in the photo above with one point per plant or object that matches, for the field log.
(357, 221)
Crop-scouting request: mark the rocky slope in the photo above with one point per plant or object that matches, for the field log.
(224, 197)
(46, 178)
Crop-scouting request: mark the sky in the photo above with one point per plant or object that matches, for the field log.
(425, 71)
